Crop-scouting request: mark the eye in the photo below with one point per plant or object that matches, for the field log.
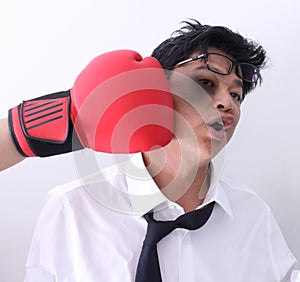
(206, 82)
(236, 96)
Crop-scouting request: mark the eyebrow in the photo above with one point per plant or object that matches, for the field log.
(201, 67)
(238, 83)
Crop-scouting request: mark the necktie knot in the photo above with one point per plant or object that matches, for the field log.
(159, 229)
(148, 266)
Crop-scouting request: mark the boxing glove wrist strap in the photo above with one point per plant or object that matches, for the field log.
(43, 127)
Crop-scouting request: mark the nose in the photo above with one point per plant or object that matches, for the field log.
(222, 100)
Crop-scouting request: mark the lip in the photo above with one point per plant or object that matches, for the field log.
(228, 122)
(216, 134)
(224, 122)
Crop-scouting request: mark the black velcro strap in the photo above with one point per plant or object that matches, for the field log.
(47, 125)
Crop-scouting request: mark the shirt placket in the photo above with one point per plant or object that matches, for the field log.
(185, 256)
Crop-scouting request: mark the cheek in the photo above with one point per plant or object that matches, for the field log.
(191, 112)
(232, 130)
(188, 121)
(237, 115)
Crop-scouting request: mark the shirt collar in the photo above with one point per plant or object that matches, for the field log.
(145, 195)
(143, 191)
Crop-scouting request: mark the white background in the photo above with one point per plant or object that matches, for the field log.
(45, 44)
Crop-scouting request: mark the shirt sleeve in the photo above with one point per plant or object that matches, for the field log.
(50, 254)
(283, 260)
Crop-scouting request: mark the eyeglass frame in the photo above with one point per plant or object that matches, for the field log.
(233, 63)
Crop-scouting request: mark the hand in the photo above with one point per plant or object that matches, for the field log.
(120, 103)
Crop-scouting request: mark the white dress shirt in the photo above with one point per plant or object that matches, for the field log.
(93, 230)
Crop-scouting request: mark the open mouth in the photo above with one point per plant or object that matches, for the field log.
(216, 130)
(218, 126)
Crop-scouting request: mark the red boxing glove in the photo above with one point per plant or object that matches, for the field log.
(120, 103)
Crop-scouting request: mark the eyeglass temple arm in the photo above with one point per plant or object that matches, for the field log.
(190, 60)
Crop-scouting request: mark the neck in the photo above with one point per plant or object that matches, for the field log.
(180, 179)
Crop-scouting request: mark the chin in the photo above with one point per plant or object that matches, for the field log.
(210, 150)
(205, 159)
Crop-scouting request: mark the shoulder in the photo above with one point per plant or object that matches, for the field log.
(256, 221)
(243, 197)
(94, 192)
(233, 185)
(100, 177)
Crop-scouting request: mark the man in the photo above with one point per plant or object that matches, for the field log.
(93, 229)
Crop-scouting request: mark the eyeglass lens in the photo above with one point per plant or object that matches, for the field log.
(219, 64)
(248, 72)
(223, 65)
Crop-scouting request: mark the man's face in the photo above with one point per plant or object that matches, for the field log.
(205, 120)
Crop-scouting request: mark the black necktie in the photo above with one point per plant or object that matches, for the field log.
(148, 266)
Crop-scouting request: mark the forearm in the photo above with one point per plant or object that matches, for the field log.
(9, 155)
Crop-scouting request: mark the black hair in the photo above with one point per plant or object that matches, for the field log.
(193, 37)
